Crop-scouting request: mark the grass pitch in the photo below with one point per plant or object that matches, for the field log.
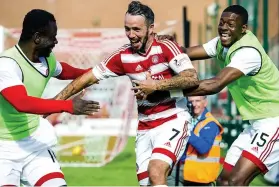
(120, 172)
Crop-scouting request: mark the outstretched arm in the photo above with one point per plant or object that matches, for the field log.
(64, 71)
(77, 85)
(215, 84)
(196, 52)
(110, 67)
(17, 96)
(184, 80)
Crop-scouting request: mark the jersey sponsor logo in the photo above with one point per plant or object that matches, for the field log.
(158, 77)
(155, 59)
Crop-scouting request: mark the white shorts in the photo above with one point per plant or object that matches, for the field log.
(258, 143)
(38, 169)
(166, 142)
(31, 159)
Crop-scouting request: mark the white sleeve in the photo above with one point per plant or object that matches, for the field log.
(10, 73)
(247, 60)
(211, 47)
(101, 72)
(180, 63)
(58, 69)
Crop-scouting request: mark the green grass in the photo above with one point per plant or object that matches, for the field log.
(120, 172)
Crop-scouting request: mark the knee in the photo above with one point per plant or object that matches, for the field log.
(221, 181)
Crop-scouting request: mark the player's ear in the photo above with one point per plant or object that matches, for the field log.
(36, 38)
(244, 28)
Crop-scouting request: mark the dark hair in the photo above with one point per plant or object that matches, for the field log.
(137, 8)
(237, 9)
(36, 20)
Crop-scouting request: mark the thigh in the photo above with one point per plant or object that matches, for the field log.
(170, 140)
(235, 151)
(10, 172)
(43, 169)
(143, 155)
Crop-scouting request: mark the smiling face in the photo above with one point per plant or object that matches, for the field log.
(137, 31)
(199, 104)
(46, 41)
(230, 28)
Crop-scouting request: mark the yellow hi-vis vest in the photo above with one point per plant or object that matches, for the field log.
(203, 168)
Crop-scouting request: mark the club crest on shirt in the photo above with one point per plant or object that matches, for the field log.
(155, 59)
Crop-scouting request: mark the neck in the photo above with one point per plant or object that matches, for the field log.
(148, 43)
(29, 51)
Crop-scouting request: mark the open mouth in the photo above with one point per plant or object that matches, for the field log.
(135, 43)
(225, 37)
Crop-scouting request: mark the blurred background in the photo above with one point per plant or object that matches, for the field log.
(99, 150)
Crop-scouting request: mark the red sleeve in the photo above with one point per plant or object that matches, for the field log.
(114, 63)
(170, 49)
(70, 72)
(17, 96)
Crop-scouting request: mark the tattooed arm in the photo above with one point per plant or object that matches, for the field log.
(215, 84)
(184, 80)
(110, 67)
(77, 85)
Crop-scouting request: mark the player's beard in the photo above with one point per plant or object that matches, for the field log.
(144, 42)
(44, 52)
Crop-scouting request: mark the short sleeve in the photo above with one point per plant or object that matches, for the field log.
(211, 47)
(248, 60)
(110, 67)
(10, 73)
(178, 61)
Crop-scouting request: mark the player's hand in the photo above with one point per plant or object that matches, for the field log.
(163, 37)
(84, 107)
(144, 88)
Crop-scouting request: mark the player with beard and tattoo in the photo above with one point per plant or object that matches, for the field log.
(162, 130)
(253, 81)
(26, 139)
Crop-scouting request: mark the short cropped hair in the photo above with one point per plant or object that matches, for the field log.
(36, 20)
(137, 8)
(239, 10)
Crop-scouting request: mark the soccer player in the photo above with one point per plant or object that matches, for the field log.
(253, 81)
(162, 129)
(26, 138)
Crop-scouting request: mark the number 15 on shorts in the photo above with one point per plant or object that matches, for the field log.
(260, 139)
